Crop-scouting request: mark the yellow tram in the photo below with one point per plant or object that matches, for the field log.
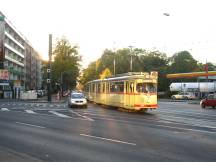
(133, 90)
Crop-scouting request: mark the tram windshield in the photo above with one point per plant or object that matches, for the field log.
(146, 87)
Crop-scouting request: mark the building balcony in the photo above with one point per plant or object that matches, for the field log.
(14, 40)
(14, 50)
(14, 61)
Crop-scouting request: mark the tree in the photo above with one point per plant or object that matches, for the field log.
(66, 64)
(182, 62)
(142, 61)
(44, 74)
(90, 73)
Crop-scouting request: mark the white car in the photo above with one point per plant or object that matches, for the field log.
(77, 100)
(183, 96)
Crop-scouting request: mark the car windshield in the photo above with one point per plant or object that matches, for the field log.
(77, 95)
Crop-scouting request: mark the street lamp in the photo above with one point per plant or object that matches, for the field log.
(49, 97)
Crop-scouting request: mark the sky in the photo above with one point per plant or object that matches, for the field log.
(95, 25)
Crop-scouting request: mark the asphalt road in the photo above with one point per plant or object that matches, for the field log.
(38, 132)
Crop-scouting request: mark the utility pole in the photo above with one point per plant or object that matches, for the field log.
(114, 65)
(131, 61)
(49, 98)
(114, 61)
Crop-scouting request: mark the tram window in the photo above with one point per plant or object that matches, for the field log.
(88, 87)
(146, 87)
(151, 87)
(93, 87)
(131, 87)
(103, 88)
(98, 88)
(112, 87)
(120, 86)
(117, 87)
(107, 87)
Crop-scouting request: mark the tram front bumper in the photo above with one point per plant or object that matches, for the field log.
(145, 106)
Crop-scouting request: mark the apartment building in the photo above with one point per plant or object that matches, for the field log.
(19, 59)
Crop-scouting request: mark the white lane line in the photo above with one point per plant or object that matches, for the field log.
(108, 139)
(59, 109)
(31, 125)
(186, 129)
(59, 114)
(4, 109)
(90, 119)
(185, 113)
(30, 112)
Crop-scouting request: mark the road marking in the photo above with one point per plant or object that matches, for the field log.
(108, 139)
(187, 113)
(187, 129)
(30, 112)
(31, 125)
(4, 109)
(90, 119)
(59, 114)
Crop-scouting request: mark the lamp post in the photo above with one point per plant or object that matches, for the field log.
(49, 98)
(131, 59)
(114, 61)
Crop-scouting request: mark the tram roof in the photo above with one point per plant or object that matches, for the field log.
(125, 76)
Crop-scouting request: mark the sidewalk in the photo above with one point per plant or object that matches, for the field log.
(53, 100)
(39, 100)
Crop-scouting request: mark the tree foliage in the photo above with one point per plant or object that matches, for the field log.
(146, 61)
(105, 73)
(182, 62)
(66, 65)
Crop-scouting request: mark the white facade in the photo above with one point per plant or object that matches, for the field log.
(191, 86)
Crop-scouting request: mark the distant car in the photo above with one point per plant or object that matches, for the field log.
(183, 96)
(77, 100)
(209, 101)
(40, 93)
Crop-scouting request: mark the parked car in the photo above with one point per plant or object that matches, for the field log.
(40, 93)
(77, 100)
(210, 100)
(184, 96)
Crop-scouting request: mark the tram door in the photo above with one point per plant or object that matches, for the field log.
(129, 100)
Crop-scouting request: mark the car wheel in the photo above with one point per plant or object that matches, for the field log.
(173, 97)
(185, 98)
(203, 106)
(213, 107)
